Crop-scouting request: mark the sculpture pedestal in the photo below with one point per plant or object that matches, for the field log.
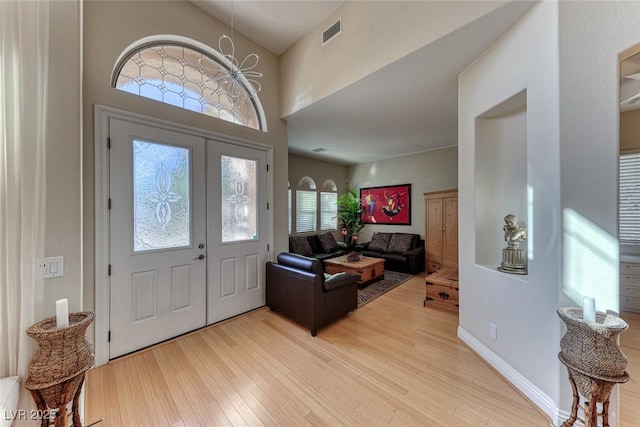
(514, 261)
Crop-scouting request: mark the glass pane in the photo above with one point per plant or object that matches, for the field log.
(187, 79)
(289, 210)
(306, 211)
(328, 211)
(161, 190)
(239, 197)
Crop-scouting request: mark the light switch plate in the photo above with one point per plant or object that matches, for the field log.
(53, 267)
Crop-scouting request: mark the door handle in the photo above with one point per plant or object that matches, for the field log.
(201, 257)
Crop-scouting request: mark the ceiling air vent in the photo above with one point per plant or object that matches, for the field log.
(332, 32)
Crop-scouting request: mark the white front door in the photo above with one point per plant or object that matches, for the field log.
(157, 235)
(237, 192)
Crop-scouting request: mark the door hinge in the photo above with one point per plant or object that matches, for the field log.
(267, 205)
(109, 336)
(267, 247)
(109, 270)
(109, 203)
(109, 143)
(267, 167)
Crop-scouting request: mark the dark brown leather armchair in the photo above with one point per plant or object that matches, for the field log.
(298, 289)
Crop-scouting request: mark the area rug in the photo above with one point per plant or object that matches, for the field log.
(374, 290)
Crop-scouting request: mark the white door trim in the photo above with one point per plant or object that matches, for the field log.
(102, 116)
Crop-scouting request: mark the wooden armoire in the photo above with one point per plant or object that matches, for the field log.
(441, 232)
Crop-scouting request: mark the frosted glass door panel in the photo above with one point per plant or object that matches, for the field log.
(161, 192)
(239, 197)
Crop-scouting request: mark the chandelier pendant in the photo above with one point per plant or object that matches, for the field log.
(236, 78)
(239, 74)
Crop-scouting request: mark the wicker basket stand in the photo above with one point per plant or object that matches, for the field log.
(56, 371)
(595, 363)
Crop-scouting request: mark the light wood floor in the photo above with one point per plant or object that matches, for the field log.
(630, 392)
(391, 362)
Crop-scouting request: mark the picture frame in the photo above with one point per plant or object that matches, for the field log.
(389, 204)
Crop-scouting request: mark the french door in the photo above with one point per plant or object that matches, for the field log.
(157, 235)
(238, 229)
(188, 232)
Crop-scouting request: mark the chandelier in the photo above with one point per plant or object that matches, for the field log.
(236, 77)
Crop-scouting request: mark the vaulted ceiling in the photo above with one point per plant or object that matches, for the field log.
(406, 107)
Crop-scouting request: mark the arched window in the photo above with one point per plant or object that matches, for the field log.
(329, 206)
(186, 74)
(306, 205)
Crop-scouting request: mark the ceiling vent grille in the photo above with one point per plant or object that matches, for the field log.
(332, 32)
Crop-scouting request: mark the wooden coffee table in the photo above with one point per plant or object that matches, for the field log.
(368, 268)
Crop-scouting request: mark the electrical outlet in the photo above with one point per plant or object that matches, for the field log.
(493, 331)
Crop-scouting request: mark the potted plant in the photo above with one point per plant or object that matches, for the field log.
(350, 215)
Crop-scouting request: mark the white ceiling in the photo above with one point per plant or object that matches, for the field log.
(273, 24)
(407, 107)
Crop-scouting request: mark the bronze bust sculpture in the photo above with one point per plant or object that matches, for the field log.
(514, 260)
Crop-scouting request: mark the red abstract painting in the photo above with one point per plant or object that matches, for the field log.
(386, 205)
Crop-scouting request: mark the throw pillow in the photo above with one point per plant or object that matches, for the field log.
(380, 242)
(401, 242)
(300, 245)
(328, 242)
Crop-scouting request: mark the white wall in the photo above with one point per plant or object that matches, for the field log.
(63, 164)
(109, 28)
(375, 34)
(319, 170)
(433, 170)
(592, 37)
(500, 179)
(523, 309)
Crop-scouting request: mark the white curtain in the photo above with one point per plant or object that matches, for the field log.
(24, 57)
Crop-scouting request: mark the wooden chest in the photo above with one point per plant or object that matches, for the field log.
(442, 289)
(368, 268)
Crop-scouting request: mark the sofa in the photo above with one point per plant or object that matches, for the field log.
(298, 288)
(319, 246)
(403, 252)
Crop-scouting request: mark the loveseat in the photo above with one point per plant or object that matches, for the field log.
(319, 246)
(403, 252)
(298, 288)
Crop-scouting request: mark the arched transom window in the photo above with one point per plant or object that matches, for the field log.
(187, 77)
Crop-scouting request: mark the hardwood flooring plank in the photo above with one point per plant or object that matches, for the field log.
(391, 362)
(630, 392)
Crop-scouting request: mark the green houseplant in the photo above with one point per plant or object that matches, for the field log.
(350, 214)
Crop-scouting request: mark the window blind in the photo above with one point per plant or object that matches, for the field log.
(289, 210)
(328, 210)
(306, 211)
(629, 199)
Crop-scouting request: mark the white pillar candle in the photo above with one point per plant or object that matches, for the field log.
(62, 313)
(589, 309)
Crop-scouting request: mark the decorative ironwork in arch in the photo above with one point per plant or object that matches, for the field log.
(329, 185)
(185, 73)
(306, 183)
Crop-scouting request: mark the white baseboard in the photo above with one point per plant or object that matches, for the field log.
(533, 393)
